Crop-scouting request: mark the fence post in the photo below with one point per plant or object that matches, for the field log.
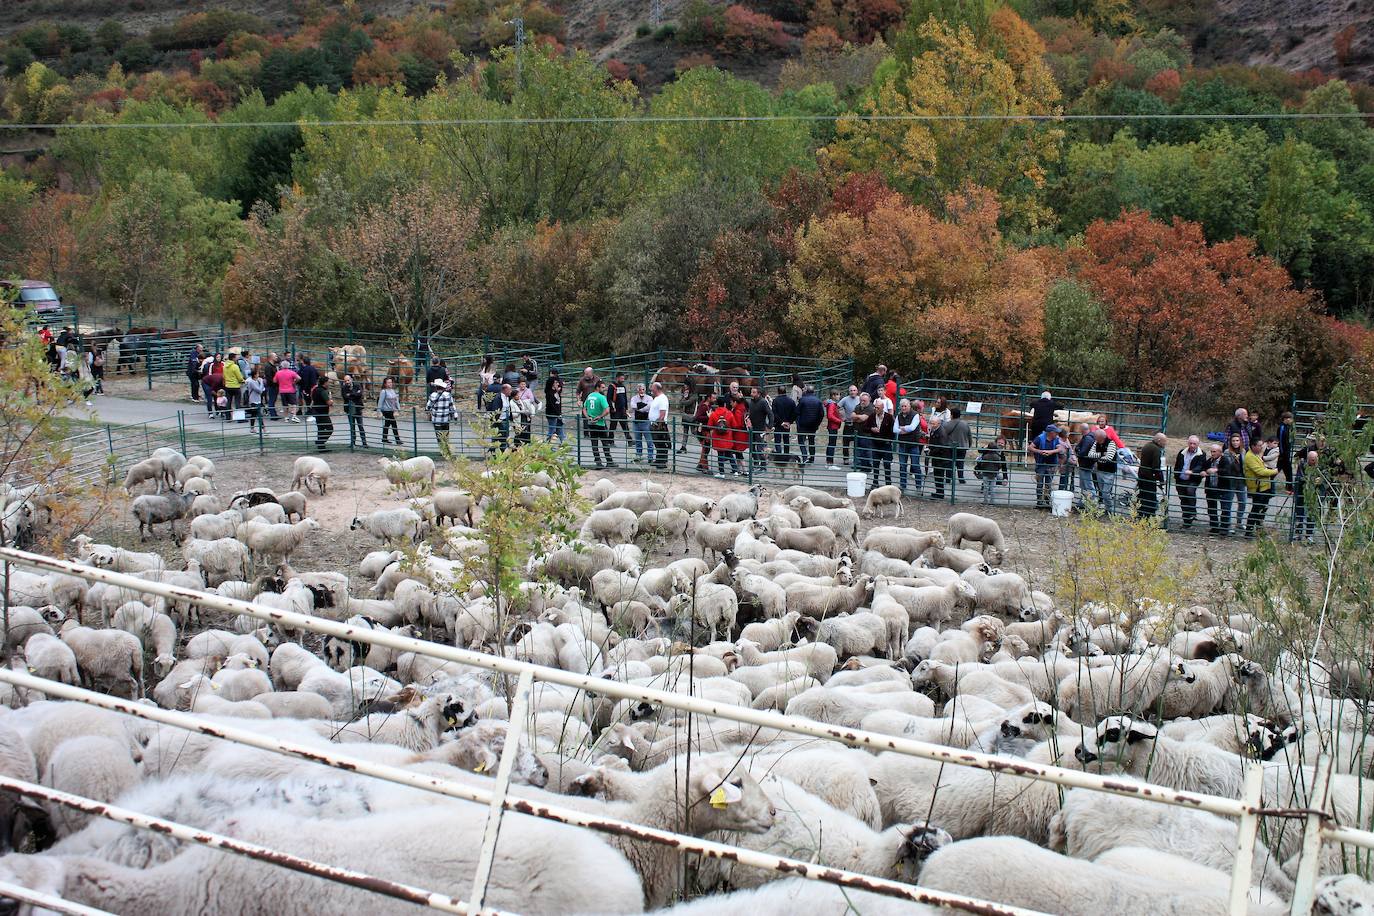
(577, 433)
(285, 337)
(109, 440)
(148, 365)
(1305, 882)
(672, 446)
(1164, 421)
(1245, 838)
(262, 423)
(414, 431)
(515, 728)
(181, 429)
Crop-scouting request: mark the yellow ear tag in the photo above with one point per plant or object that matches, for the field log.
(718, 799)
(481, 767)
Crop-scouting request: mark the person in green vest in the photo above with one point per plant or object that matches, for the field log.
(596, 409)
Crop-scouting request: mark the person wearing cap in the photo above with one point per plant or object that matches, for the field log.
(553, 405)
(1049, 451)
(440, 409)
(1042, 413)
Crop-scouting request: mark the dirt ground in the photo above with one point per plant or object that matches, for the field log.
(1035, 540)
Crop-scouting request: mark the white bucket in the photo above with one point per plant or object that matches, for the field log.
(855, 483)
(1061, 501)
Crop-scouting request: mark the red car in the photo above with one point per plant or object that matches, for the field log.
(37, 296)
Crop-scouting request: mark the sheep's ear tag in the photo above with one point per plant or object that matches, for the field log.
(480, 768)
(725, 795)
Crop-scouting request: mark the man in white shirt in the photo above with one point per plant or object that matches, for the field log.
(1190, 468)
(638, 408)
(659, 444)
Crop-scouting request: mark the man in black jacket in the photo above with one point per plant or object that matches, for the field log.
(784, 415)
(1190, 467)
(959, 438)
(1151, 476)
(810, 416)
(1042, 414)
(873, 385)
(352, 392)
(553, 405)
(310, 377)
(760, 421)
(618, 394)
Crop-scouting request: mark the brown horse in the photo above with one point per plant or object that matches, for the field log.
(401, 371)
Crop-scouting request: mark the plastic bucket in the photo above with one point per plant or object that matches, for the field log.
(855, 483)
(1061, 501)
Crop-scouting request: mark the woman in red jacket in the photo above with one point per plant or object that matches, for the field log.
(722, 426)
(740, 427)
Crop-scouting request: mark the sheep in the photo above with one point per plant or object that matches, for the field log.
(855, 634)
(544, 869)
(692, 504)
(1137, 748)
(190, 472)
(901, 543)
(847, 706)
(48, 657)
(143, 471)
(971, 679)
(1131, 683)
(810, 540)
(819, 657)
(389, 525)
(92, 766)
(212, 704)
(219, 525)
(271, 513)
(16, 762)
(207, 467)
(965, 526)
(821, 601)
(171, 459)
(452, 505)
(957, 559)
(738, 507)
(610, 526)
(294, 704)
(238, 684)
(290, 664)
(720, 795)
(118, 559)
(222, 560)
(637, 501)
(753, 543)
(149, 625)
(106, 656)
(1091, 823)
(769, 597)
(197, 486)
(151, 510)
(417, 724)
(205, 504)
(267, 541)
(403, 474)
(883, 496)
(1004, 594)
(598, 491)
(26, 621)
(1200, 692)
(376, 562)
(293, 504)
(711, 606)
(221, 643)
(669, 523)
(309, 469)
(817, 497)
(774, 632)
(844, 522)
(1019, 873)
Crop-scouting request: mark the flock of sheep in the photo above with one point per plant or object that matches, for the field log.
(778, 601)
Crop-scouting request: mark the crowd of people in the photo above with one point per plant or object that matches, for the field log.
(1226, 482)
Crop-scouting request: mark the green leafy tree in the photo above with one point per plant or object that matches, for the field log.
(1078, 351)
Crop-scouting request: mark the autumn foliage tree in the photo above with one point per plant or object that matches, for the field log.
(1181, 309)
(414, 250)
(947, 296)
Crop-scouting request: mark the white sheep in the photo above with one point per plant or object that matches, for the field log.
(390, 525)
(150, 627)
(205, 504)
(844, 522)
(860, 633)
(610, 526)
(901, 543)
(309, 469)
(820, 601)
(290, 663)
(221, 560)
(207, 467)
(118, 559)
(92, 766)
(692, 503)
(239, 684)
(818, 497)
(294, 704)
(1129, 684)
(48, 657)
(965, 526)
(26, 621)
(219, 525)
(106, 656)
(848, 706)
(637, 501)
(957, 559)
(267, 541)
(293, 504)
(171, 459)
(669, 523)
(819, 540)
(738, 507)
(1004, 594)
(197, 486)
(408, 472)
(268, 512)
(712, 606)
(143, 471)
(452, 505)
(883, 496)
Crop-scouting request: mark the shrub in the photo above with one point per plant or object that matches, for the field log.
(136, 55)
(643, 30)
(1122, 562)
(666, 31)
(749, 32)
(702, 23)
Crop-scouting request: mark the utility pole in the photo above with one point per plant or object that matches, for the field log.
(655, 11)
(519, 23)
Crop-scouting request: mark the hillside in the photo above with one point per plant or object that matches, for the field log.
(1334, 36)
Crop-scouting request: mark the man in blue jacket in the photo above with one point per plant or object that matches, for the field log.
(784, 416)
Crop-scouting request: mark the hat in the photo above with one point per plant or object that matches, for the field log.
(1051, 428)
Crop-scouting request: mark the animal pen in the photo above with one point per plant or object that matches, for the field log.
(1318, 826)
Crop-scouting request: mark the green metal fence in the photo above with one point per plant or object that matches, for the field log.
(769, 370)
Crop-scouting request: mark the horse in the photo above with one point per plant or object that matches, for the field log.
(401, 371)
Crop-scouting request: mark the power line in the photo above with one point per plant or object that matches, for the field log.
(689, 119)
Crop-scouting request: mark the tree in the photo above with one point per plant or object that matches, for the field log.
(53, 231)
(1078, 350)
(931, 159)
(414, 250)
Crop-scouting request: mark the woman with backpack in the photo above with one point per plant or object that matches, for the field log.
(721, 422)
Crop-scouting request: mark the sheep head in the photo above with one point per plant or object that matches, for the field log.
(723, 796)
(920, 840)
(1119, 740)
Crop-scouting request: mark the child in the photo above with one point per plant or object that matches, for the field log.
(221, 403)
(991, 464)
